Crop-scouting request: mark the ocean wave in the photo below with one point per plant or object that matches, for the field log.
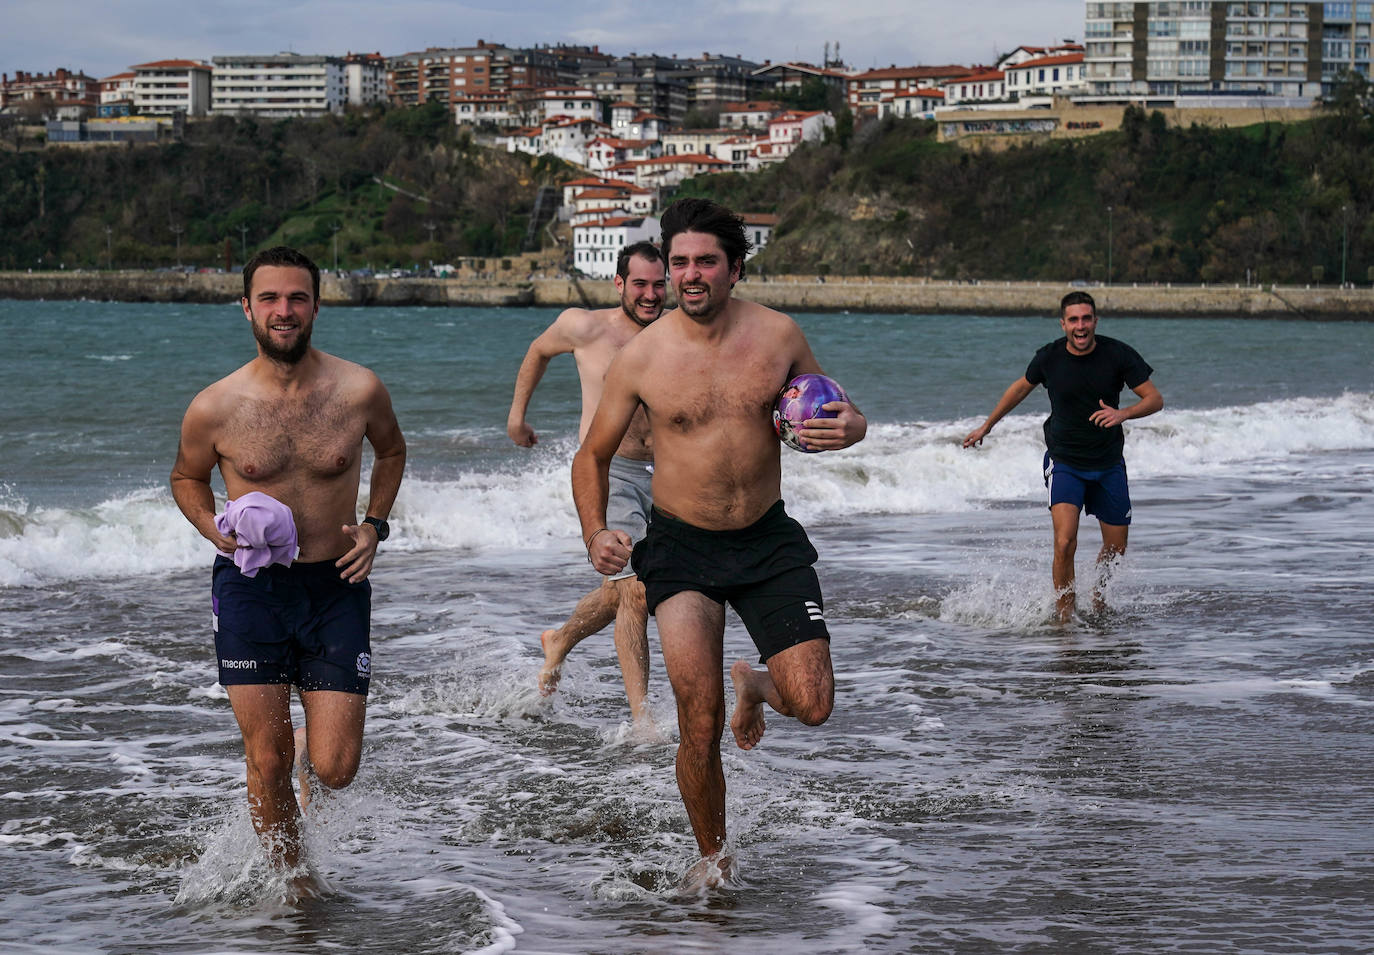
(907, 468)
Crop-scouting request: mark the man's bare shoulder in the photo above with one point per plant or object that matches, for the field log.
(585, 325)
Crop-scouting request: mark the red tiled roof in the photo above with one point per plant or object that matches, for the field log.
(172, 65)
(913, 73)
(1068, 59)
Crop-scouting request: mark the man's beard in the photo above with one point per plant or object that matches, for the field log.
(627, 305)
(287, 356)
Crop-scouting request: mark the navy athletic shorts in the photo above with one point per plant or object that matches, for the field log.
(763, 571)
(302, 625)
(1104, 494)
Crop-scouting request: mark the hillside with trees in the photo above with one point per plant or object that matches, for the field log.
(1147, 203)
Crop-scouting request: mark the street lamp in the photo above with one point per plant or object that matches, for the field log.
(1109, 245)
(177, 231)
(109, 255)
(335, 230)
(243, 241)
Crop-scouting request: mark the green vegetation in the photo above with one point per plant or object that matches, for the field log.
(1269, 203)
(1150, 203)
(395, 187)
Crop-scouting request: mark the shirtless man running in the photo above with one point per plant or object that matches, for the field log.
(706, 375)
(291, 424)
(594, 338)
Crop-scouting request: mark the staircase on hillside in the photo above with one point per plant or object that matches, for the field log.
(546, 203)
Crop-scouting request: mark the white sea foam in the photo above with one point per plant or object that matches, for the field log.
(902, 468)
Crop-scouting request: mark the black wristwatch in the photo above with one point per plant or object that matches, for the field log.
(382, 527)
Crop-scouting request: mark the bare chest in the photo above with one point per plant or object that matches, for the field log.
(273, 440)
(693, 397)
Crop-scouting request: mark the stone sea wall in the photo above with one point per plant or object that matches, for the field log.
(789, 293)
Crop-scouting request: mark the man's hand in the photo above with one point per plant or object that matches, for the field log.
(224, 543)
(522, 434)
(848, 427)
(357, 563)
(976, 436)
(609, 551)
(1107, 416)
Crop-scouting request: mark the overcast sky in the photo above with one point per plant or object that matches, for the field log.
(102, 37)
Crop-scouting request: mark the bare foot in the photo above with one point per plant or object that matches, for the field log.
(302, 768)
(553, 665)
(747, 721)
(708, 872)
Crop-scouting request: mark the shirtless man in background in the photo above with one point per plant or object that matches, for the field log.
(291, 424)
(594, 338)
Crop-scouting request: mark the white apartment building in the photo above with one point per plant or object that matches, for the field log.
(1159, 52)
(570, 103)
(989, 86)
(365, 77)
(279, 85)
(164, 87)
(597, 245)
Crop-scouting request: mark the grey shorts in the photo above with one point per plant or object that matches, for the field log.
(630, 500)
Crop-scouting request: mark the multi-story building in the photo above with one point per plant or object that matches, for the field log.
(164, 87)
(872, 93)
(1060, 75)
(987, 86)
(365, 77)
(450, 74)
(597, 245)
(1159, 52)
(61, 92)
(656, 84)
(279, 85)
(117, 91)
(714, 80)
(792, 76)
(570, 103)
(751, 114)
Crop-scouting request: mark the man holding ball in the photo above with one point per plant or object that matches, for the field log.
(707, 374)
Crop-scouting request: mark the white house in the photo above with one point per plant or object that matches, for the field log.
(570, 102)
(568, 138)
(758, 226)
(1048, 76)
(753, 114)
(635, 200)
(523, 139)
(1023, 54)
(480, 109)
(915, 103)
(986, 87)
(365, 78)
(603, 152)
(172, 86)
(670, 170)
(597, 244)
(791, 129)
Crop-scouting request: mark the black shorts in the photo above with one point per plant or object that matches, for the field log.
(763, 571)
(303, 625)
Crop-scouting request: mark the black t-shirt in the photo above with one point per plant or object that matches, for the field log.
(1075, 384)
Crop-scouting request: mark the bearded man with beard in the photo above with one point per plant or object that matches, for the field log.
(290, 425)
(594, 337)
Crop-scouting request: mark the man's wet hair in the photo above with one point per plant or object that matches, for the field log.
(703, 215)
(1077, 298)
(281, 255)
(645, 250)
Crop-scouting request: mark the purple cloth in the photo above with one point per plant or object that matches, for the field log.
(265, 525)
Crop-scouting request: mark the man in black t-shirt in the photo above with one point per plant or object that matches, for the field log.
(1084, 467)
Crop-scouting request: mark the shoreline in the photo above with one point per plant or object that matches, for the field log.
(788, 293)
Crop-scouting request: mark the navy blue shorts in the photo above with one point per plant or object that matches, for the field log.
(763, 571)
(1104, 494)
(301, 625)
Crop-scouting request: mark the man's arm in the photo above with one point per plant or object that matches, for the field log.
(196, 460)
(848, 427)
(1150, 402)
(558, 339)
(1012, 397)
(608, 550)
(389, 463)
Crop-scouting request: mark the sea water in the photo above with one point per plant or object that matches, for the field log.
(1189, 773)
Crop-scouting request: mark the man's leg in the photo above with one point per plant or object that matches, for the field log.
(591, 615)
(1113, 546)
(264, 716)
(799, 682)
(691, 627)
(632, 644)
(333, 739)
(1065, 520)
